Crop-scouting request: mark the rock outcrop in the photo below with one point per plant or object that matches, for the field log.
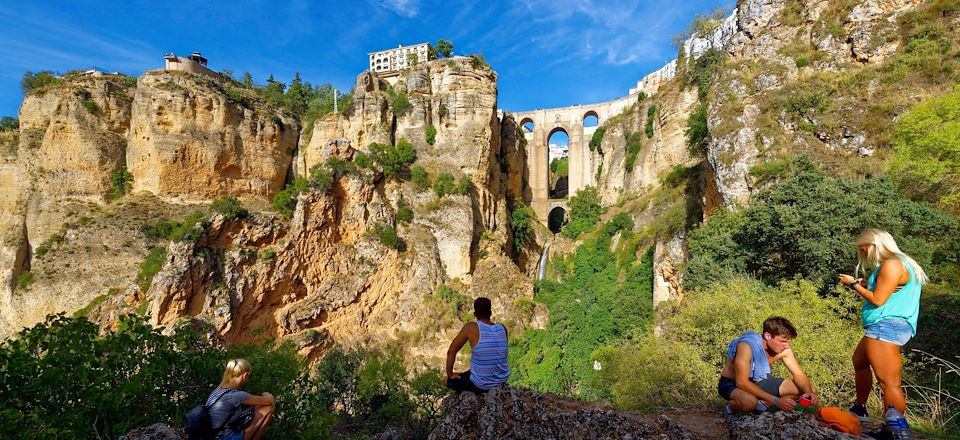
(781, 426)
(189, 139)
(507, 412)
(156, 431)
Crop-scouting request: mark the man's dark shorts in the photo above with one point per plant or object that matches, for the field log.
(770, 385)
(463, 383)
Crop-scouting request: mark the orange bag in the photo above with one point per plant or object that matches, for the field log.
(839, 419)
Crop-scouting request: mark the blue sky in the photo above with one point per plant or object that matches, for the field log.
(548, 53)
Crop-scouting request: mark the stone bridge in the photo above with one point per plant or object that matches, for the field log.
(569, 120)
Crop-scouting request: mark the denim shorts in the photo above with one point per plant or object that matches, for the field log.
(893, 330)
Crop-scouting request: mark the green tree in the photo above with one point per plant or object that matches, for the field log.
(444, 48)
(399, 101)
(229, 207)
(297, 96)
(247, 80)
(597, 138)
(926, 152)
(35, 81)
(419, 176)
(443, 184)
(120, 180)
(585, 212)
(522, 218)
(430, 134)
(697, 131)
(393, 158)
(8, 123)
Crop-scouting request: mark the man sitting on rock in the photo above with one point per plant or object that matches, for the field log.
(745, 380)
(488, 359)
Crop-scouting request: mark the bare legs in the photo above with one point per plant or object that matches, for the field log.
(884, 360)
(743, 401)
(262, 415)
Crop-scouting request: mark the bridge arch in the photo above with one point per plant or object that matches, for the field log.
(557, 218)
(527, 125)
(591, 119)
(558, 163)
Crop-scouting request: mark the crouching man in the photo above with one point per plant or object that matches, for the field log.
(488, 357)
(745, 381)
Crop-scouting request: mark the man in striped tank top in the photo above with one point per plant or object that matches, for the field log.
(488, 359)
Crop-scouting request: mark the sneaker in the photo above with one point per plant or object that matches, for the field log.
(728, 411)
(860, 411)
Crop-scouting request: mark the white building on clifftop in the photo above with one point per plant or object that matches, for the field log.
(193, 63)
(393, 60)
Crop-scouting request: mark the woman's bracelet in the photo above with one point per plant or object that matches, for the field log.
(853, 284)
(774, 401)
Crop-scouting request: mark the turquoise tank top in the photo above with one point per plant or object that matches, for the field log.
(903, 303)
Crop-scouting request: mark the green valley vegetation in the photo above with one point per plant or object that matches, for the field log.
(597, 138)
(63, 378)
(585, 211)
(522, 219)
(601, 296)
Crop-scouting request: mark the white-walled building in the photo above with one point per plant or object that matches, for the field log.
(393, 60)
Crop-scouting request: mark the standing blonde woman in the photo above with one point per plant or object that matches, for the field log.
(227, 417)
(891, 306)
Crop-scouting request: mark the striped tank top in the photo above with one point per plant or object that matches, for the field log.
(488, 360)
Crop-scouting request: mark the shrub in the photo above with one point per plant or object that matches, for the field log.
(393, 159)
(464, 185)
(38, 81)
(444, 48)
(419, 176)
(229, 207)
(387, 235)
(641, 96)
(236, 96)
(560, 166)
(443, 184)
(150, 266)
(404, 212)
(120, 180)
(339, 167)
(431, 134)
(362, 160)
(90, 105)
(8, 123)
(522, 218)
(441, 111)
(399, 102)
(597, 138)
(926, 152)
(284, 202)
(633, 146)
(651, 111)
(585, 212)
(697, 131)
(321, 178)
(478, 62)
(268, 254)
(24, 279)
(703, 70)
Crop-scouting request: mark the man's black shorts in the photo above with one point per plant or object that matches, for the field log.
(726, 386)
(463, 383)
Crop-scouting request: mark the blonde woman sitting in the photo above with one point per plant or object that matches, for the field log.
(236, 414)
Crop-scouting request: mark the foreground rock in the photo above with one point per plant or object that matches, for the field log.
(156, 431)
(780, 425)
(515, 413)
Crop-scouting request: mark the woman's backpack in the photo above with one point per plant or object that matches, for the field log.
(198, 422)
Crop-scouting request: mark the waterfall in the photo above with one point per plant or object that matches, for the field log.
(542, 266)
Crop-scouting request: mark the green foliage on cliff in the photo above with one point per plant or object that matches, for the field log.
(120, 180)
(585, 212)
(597, 138)
(804, 225)
(387, 235)
(601, 296)
(419, 176)
(926, 152)
(697, 131)
(9, 123)
(393, 158)
(229, 207)
(64, 379)
(522, 219)
(560, 166)
(398, 102)
(443, 184)
(38, 81)
(430, 134)
(150, 266)
(633, 146)
(444, 48)
(651, 112)
(404, 212)
(704, 69)
(24, 279)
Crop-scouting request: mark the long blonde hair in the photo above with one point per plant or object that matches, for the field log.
(235, 368)
(884, 248)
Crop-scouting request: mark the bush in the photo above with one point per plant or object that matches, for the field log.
(24, 279)
(284, 202)
(399, 102)
(150, 266)
(268, 254)
(703, 70)
(419, 176)
(651, 111)
(641, 96)
(633, 146)
(393, 159)
(478, 62)
(926, 152)
(444, 48)
(190, 229)
(431, 134)
(120, 180)
(362, 160)
(90, 105)
(597, 138)
(441, 111)
(522, 218)
(339, 167)
(697, 131)
(443, 184)
(404, 212)
(38, 81)
(8, 123)
(683, 365)
(236, 96)
(560, 166)
(387, 235)
(229, 207)
(585, 212)
(464, 185)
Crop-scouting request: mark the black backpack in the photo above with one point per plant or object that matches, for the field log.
(198, 421)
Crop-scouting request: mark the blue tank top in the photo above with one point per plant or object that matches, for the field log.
(488, 360)
(903, 303)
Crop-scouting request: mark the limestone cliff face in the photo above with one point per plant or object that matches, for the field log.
(188, 140)
(771, 34)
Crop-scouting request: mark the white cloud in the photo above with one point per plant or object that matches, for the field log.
(406, 8)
